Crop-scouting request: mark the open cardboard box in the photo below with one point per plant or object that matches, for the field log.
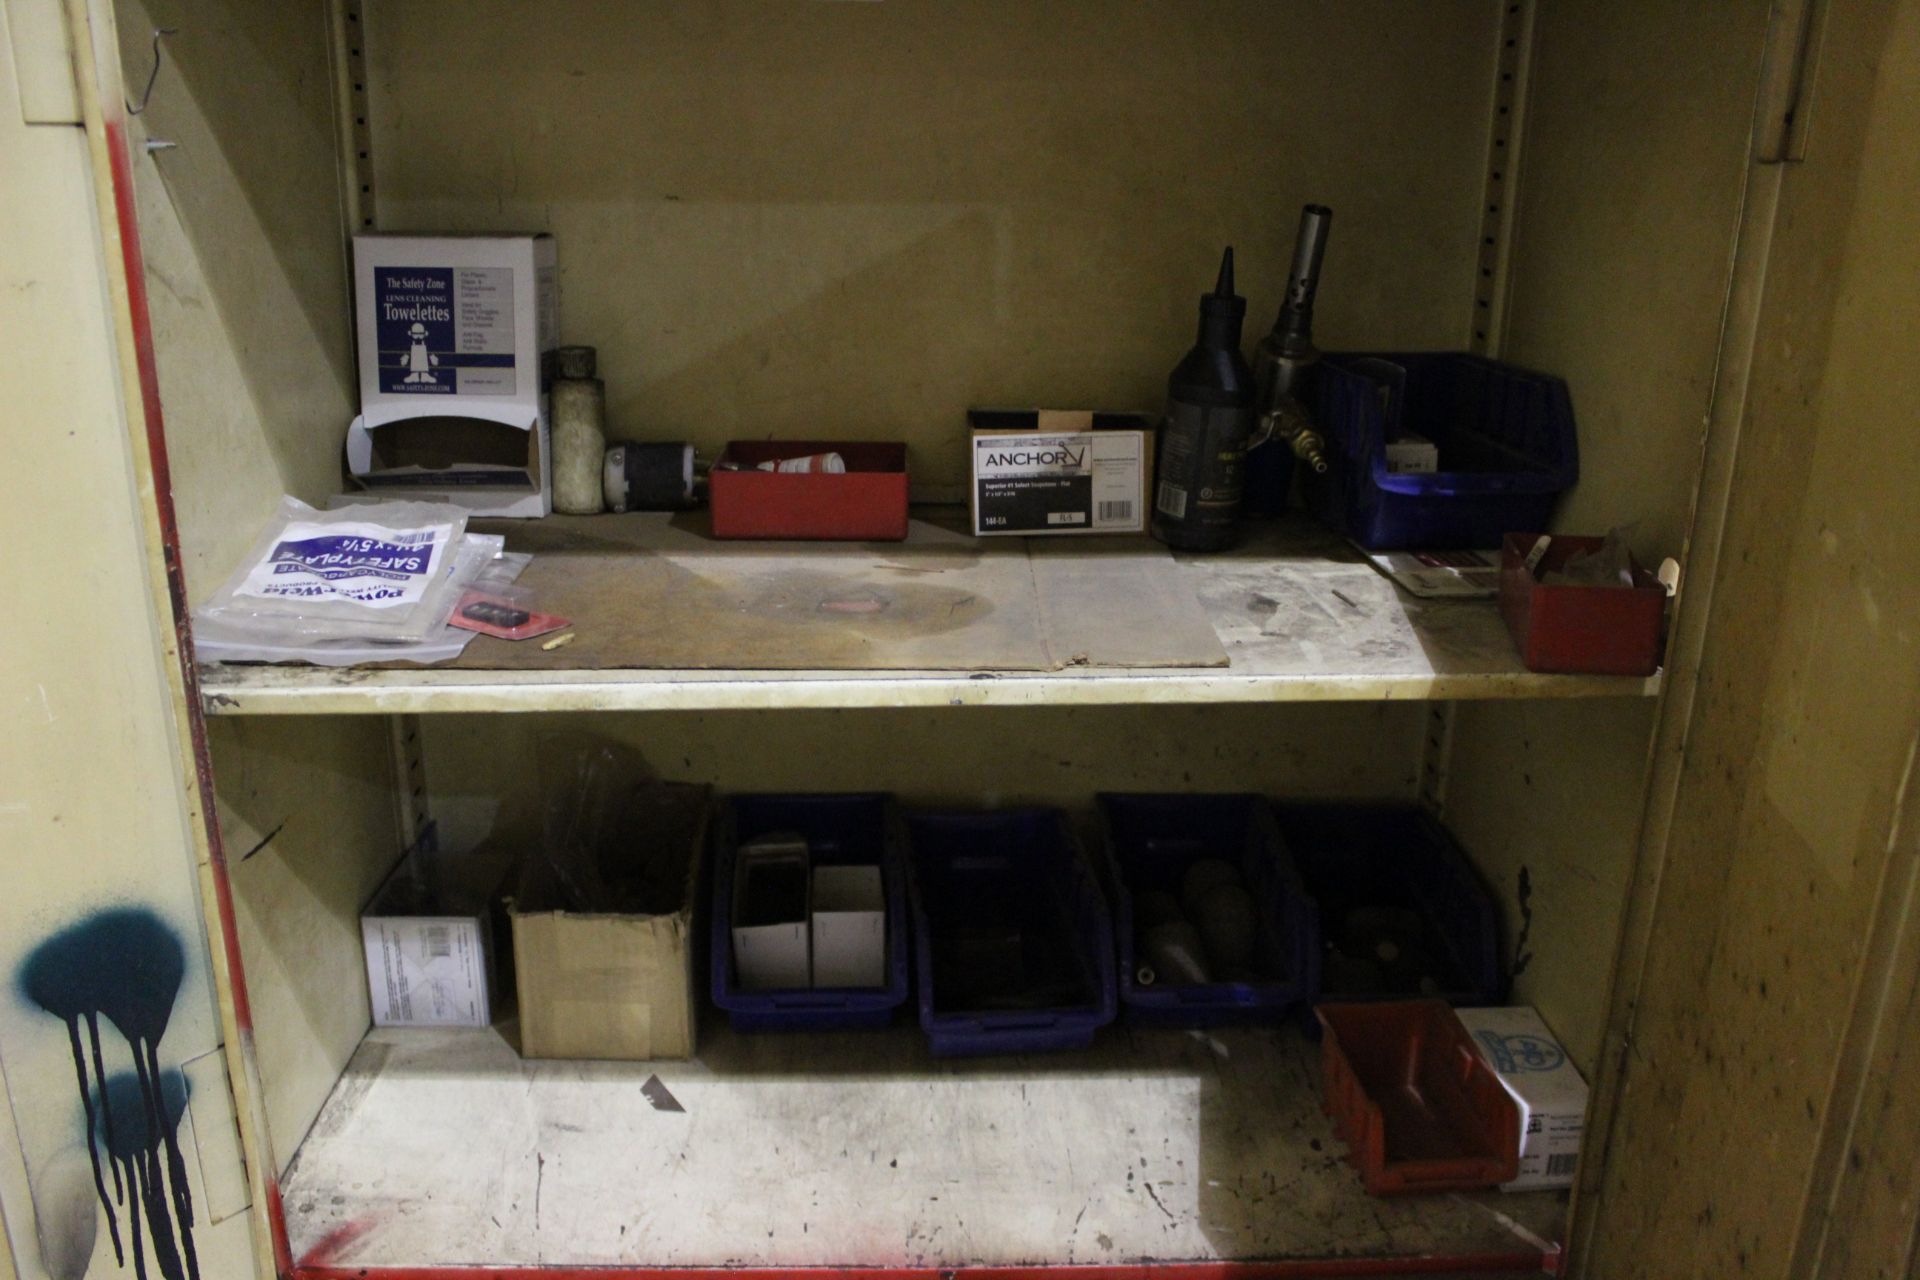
(612, 984)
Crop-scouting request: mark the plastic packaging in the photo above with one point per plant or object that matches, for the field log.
(375, 564)
(216, 640)
(506, 612)
(387, 571)
(595, 796)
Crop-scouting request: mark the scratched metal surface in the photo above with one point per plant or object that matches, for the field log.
(447, 1147)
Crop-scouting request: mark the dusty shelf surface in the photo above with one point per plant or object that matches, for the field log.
(446, 1148)
(1298, 614)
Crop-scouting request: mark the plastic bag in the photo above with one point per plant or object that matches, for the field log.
(1608, 565)
(258, 640)
(615, 839)
(385, 572)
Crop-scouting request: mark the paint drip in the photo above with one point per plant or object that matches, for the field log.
(125, 965)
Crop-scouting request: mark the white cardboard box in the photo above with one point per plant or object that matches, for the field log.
(772, 948)
(849, 927)
(429, 942)
(1044, 471)
(451, 333)
(1545, 1086)
(1412, 455)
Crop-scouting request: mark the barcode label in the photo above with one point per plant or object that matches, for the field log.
(1172, 500)
(1562, 1166)
(439, 941)
(1116, 512)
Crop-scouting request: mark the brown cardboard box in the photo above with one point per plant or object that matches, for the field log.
(613, 984)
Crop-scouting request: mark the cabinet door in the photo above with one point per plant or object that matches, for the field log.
(1761, 1082)
(118, 1150)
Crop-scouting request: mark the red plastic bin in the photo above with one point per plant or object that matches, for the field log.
(1416, 1104)
(866, 503)
(1602, 631)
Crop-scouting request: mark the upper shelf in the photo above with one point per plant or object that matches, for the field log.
(1301, 617)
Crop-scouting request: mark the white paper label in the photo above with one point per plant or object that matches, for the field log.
(426, 971)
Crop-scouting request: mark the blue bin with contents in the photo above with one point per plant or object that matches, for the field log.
(1504, 436)
(1012, 938)
(1401, 912)
(859, 830)
(1212, 922)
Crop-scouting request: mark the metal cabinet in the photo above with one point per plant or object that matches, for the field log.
(1697, 214)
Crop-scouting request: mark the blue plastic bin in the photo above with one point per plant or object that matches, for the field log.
(1505, 437)
(1394, 860)
(841, 830)
(1003, 901)
(1149, 842)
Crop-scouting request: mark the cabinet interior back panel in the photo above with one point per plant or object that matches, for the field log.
(828, 219)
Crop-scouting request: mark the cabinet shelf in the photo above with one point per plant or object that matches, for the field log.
(443, 1149)
(1301, 617)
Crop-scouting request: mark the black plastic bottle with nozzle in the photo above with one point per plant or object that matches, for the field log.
(1203, 442)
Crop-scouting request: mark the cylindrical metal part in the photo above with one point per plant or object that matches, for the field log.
(1303, 281)
(650, 477)
(575, 362)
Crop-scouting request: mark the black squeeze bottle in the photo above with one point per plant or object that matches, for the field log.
(1203, 442)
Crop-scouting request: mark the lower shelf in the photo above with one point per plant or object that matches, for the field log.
(446, 1149)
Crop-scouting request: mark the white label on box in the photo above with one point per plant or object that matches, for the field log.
(1075, 482)
(445, 330)
(1552, 1098)
(426, 971)
(368, 564)
(1412, 455)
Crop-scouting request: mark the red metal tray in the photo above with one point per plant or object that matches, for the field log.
(1416, 1104)
(866, 503)
(1605, 631)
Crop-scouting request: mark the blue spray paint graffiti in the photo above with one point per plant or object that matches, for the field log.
(125, 965)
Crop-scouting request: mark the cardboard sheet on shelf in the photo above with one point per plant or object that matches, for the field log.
(653, 591)
(1120, 602)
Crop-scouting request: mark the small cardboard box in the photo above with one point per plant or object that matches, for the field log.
(1534, 1070)
(428, 935)
(771, 891)
(1044, 471)
(607, 984)
(1412, 455)
(452, 332)
(849, 927)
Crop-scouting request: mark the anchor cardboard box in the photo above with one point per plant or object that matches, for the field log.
(452, 333)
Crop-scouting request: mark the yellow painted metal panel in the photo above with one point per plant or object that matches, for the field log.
(246, 275)
(1779, 857)
(1636, 125)
(860, 219)
(95, 807)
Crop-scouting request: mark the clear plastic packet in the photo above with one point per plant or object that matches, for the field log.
(1608, 565)
(217, 640)
(472, 557)
(506, 612)
(380, 564)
